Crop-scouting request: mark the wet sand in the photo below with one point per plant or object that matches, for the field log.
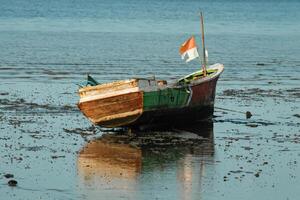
(53, 152)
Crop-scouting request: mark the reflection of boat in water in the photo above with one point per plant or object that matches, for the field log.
(115, 160)
(108, 171)
(105, 165)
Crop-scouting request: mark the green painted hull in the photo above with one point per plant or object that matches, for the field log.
(167, 99)
(180, 104)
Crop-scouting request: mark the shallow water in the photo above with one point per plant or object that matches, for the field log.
(47, 48)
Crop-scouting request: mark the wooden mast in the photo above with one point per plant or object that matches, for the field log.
(203, 46)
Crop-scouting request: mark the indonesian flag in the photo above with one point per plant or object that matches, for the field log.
(189, 48)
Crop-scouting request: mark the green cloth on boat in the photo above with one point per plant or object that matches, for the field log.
(91, 81)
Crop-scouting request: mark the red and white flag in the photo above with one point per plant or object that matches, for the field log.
(189, 49)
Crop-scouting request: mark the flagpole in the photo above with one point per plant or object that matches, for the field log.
(203, 46)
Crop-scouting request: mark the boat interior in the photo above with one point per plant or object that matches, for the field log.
(195, 76)
(152, 83)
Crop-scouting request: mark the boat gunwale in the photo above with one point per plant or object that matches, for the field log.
(109, 95)
(218, 66)
(102, 85)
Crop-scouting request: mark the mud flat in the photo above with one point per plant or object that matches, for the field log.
(52, 151)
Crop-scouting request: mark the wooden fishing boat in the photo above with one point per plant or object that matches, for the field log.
(140, 101)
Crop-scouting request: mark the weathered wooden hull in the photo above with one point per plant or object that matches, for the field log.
(134, 103)
(115, 110)
(113, 104)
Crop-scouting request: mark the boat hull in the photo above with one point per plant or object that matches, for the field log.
(173, 117)
(127, 104)
(199, 104)
(112, 105)
(114, 111)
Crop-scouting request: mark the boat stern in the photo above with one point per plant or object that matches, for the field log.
(112, 104)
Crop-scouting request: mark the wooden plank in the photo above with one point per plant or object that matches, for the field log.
(107, 87)
(107, 94)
